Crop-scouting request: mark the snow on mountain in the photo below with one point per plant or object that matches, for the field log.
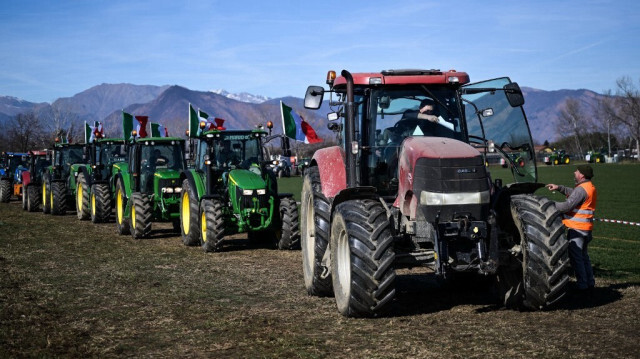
(242, 96)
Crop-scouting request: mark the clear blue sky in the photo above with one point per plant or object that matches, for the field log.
(52, 49)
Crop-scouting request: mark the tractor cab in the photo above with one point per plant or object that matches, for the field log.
(13, 165)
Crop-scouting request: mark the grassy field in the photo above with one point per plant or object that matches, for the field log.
(73, 289)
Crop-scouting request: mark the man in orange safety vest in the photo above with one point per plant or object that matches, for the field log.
(578, 212)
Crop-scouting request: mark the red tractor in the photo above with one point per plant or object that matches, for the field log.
(408, 187)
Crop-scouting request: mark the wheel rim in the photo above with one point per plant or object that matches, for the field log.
(185, 213)
(133, 216)
(51, 201)
(119, 209)
(309, 236)
(79, 198)
(343, 260)
(93, 204)
(44, 193)
(203, 226)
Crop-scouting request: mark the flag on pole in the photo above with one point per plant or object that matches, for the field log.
(142, 126)
(127, 125)
(87, 132)
(193, 122)
(295, 127)
(203, 114)
(157, 130)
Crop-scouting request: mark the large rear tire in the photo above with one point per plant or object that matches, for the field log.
(536, 275)
(33, 198)
(314, 232)
(82, 197)
(25, 198)
(140, 226)
(100, 203)
(58, 198)
(189, 215)
(5, 191)
(290, 233)
(122, 223)
(211, 225)
(362, 257)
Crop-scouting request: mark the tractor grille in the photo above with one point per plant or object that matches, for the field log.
(168, 183)
(451, 175)
(247, 201)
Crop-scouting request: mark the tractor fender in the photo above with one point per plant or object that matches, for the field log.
(26, 178)
(331, 165)
(363, 192)
(87, 174)
(126, 182)
(195, 181)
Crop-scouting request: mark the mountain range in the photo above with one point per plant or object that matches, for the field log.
(168, 105)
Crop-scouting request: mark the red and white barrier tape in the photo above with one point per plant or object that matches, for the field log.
(617, 221)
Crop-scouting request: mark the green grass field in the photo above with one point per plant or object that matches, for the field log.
(615, 250)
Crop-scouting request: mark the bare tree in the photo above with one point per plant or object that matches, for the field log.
(624, 108)
(24, 133)
(572, 123)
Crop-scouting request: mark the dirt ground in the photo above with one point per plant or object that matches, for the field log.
(74, 289)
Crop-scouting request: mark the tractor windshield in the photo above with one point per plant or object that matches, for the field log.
(111, 152)
(397, 113)
(238, 150)
(66, 156)
(502, 132)
(157, 155)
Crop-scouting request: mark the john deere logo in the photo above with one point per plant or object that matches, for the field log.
(467, 170)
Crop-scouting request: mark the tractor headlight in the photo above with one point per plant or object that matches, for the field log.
(177, 189)
(443, 199)
(247, 192)
(261, 191)
(167, 190)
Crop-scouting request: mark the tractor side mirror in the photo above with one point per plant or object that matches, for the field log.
(313, 97)
(332, 116)
(514, 94)
(385, 102)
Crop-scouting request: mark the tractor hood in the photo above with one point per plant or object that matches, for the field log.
(438, 165)
(164, 173)
(246, 179)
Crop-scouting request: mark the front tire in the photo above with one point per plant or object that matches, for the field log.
(122, 223)
(100, 203)
(140, 226)
(46, 200)
(58, 198)
(536, 275)
(211, 225)
(290, 233)
(33, 198)
(314, 234)
(189, 215)
(362, 257)
(5, 191)
(82, 198)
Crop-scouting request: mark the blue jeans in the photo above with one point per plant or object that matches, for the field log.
(579, 257)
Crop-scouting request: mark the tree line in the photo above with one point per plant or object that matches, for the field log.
(609, 124)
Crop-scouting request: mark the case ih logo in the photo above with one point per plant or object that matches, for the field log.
(467, 170)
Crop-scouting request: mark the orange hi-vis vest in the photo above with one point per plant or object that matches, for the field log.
(581, 218)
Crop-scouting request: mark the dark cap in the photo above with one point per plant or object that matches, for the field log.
(426, 101)
(586, 171)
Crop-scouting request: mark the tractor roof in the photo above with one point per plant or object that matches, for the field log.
(38, 153)
(160, 139)
(16, 154)
(225, 133)
(405, 77)
(115, 139)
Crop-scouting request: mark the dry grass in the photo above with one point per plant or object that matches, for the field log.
(74, 289)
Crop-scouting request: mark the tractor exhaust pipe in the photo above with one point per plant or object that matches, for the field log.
(349, 130)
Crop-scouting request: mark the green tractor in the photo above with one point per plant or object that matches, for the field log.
(59, 179)
(95, 192)
(595, 156)
(148, 189)
(557, 157)
(231, 190)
